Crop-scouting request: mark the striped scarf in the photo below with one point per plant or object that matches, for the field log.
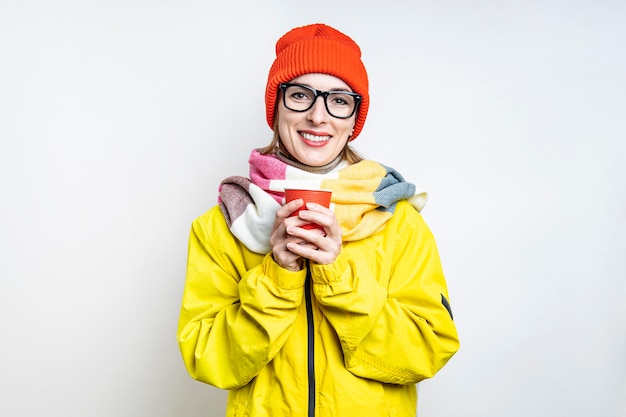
(363, 199)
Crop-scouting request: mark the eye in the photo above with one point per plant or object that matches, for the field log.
(300, 93)
(340, 99)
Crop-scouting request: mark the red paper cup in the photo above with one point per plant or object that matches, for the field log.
(321, 197)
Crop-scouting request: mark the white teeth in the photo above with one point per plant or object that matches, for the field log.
(314, 138)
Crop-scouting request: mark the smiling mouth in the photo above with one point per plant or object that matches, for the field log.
(314, 138)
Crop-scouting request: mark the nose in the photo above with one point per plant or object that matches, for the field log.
(318, 114)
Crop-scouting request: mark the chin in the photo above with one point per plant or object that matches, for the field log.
(316, 162)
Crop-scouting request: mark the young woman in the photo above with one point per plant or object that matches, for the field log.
(342, 320)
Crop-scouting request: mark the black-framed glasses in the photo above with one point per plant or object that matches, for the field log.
(300, 98)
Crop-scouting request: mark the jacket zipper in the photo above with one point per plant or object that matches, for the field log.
(310, 341)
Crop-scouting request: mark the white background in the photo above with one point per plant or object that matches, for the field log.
(118, 119)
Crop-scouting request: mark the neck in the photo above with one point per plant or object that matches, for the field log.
(289, 160)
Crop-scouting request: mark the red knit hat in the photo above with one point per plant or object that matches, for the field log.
(318, 48)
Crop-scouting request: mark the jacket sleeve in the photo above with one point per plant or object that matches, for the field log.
(233, 320)
(389, 305)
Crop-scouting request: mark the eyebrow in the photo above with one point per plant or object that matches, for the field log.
(343, 89)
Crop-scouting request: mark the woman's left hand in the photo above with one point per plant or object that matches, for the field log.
(324, 244)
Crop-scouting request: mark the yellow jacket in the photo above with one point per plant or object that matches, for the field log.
(375, 323)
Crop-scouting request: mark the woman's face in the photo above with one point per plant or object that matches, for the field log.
(314, 137)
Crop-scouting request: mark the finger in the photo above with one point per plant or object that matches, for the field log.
(289, 208)
(311, 235)
(327, 222)
(313, 253)
(319, 208)
(303, 249)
